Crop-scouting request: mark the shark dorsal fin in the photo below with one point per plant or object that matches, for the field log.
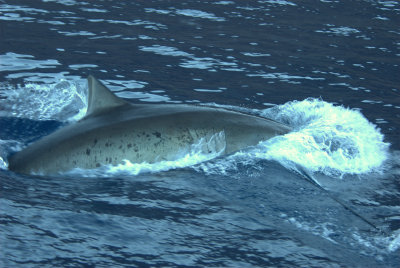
(100, 98)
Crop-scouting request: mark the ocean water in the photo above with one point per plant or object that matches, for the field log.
(326, 194)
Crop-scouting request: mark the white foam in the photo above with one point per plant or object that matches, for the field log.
(7, 146)
(62, 101)
(323, 230)
(330, 139)
(382, 244)
(327, 138)
(395, 243)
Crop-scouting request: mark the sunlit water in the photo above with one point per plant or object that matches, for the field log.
(327, 69)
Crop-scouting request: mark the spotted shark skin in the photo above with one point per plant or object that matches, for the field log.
(114, 130)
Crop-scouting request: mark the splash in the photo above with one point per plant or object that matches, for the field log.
(7, 146)
(329, 139)
(61, 101)
(64, 101)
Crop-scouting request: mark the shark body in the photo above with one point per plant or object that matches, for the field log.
(114, 130)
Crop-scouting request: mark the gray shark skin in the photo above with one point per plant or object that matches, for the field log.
(114, 130)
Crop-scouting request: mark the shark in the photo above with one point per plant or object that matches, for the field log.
(114, 131)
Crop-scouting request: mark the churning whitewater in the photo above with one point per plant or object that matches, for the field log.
(326, 138)
(114, 131)
(324, 194)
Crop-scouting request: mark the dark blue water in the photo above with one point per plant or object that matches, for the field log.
(329, 69)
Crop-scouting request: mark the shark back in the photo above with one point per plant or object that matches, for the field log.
(114, 130)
